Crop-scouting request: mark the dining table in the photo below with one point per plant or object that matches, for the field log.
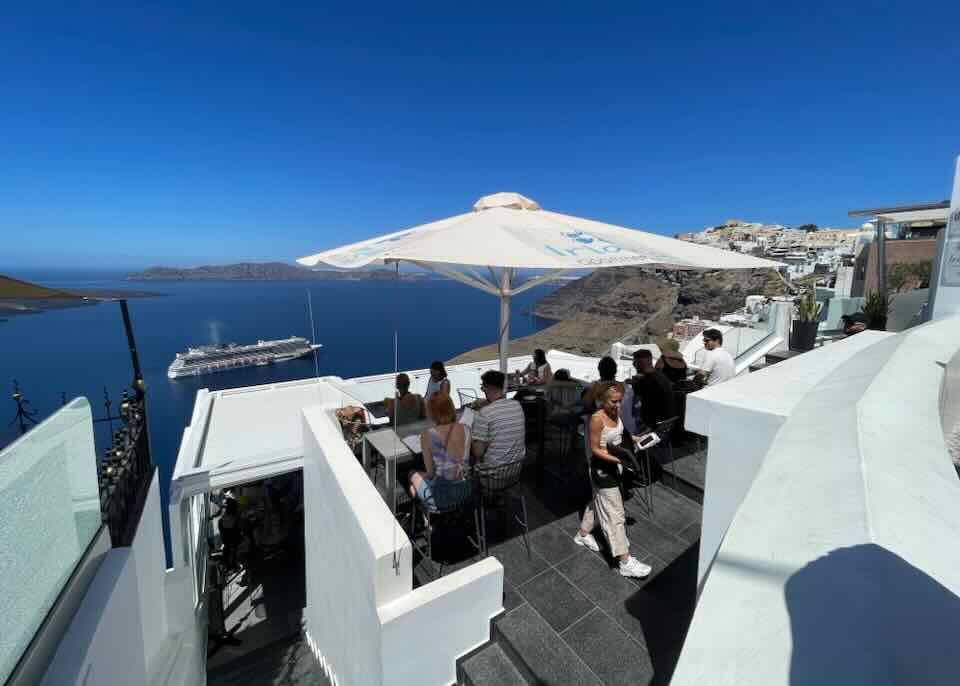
(401, 445)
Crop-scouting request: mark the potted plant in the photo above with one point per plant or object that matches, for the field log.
(803, 330)
(877, 307)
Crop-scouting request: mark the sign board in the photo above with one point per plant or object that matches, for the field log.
(946, 300)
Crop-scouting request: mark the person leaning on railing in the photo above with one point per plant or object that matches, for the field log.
(606, 437)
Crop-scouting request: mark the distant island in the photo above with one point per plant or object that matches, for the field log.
(269, 271)
(19, 297)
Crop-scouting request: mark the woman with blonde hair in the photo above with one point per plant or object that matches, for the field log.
(606, 436)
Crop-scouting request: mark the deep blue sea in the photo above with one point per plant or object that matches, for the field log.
(80, 350)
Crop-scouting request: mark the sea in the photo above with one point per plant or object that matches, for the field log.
(82, 351)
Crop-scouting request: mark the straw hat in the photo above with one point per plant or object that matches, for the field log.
(669, 347)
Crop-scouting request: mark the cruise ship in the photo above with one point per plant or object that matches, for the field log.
(218, 358)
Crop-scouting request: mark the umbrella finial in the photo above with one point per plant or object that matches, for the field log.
(512, 201)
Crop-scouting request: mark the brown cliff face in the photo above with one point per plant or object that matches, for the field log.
(633, 305)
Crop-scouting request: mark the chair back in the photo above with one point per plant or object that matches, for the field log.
(467, 396)
(664, 429)
(562, 395)
(499, 477)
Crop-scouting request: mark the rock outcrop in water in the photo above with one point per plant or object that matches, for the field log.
(631, 304)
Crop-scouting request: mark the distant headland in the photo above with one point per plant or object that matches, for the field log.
(269, 271)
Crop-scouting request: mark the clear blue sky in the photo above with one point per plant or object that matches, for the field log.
(214, 133)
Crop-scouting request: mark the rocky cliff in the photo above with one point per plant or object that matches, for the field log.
(633, 305)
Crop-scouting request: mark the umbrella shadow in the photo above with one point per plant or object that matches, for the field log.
(863, 614)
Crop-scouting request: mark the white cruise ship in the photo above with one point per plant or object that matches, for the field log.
(218, 358)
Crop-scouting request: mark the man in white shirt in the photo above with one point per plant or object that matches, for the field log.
(717, 364)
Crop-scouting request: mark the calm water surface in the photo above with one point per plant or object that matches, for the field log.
(78, 351)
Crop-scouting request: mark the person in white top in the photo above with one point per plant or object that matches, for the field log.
(538, 372)
(717, 365)
(606, 436)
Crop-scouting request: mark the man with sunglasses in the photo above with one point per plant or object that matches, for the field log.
(717, 365)
(499, 432)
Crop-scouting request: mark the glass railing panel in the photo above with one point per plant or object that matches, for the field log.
(49, 514)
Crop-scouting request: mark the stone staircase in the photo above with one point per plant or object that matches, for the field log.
(286, 662)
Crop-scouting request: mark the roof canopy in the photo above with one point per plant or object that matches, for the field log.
(929, 217)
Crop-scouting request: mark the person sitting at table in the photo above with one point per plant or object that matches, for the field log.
(607, 367)
(406, 407)
(499, 428)
(654, 391)
(606, 435)
(718, 365)
(671, 361)
(437, 383)
(444, 447)
(538, 372)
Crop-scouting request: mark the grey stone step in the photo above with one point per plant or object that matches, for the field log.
(538, 651)
(288, 662)
(490, 666)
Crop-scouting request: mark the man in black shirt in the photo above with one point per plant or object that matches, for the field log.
(654, 391)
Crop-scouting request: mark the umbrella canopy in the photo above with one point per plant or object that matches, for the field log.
(508, 231)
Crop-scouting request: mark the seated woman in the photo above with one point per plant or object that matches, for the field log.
(438, 384)
(407, 407)
(538, 372)
(671, 362)
(445, 447)
(606, 435)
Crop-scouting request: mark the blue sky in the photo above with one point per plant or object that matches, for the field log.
(212, 133)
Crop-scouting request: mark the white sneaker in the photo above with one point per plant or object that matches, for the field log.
(587, 541)
(633, 567)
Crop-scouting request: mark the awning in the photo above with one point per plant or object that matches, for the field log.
(930, 217)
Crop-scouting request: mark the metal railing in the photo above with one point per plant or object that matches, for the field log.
(125, 472)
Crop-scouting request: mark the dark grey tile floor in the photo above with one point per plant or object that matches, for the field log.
(624, 630)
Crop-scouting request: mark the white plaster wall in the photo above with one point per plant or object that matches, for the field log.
(362, 614)
(839, 565)
(441, 607)
(151, 572)
(349, 539)
(104, 644)
(741, 417)
(120, 633)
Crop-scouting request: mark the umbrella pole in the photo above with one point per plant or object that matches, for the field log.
(504, 342)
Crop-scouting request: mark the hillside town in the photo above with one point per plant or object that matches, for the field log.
(806, 250)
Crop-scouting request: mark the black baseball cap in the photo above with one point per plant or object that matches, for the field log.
(855, 318)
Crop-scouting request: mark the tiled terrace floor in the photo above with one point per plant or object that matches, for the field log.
(594, 622)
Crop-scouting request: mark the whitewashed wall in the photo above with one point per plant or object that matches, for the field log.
(840, 563)
(120, 633)
(741, 417)
(363, 620)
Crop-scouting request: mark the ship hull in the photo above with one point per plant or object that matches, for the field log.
(248, 356)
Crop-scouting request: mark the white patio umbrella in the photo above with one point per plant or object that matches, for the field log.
(507, 232)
